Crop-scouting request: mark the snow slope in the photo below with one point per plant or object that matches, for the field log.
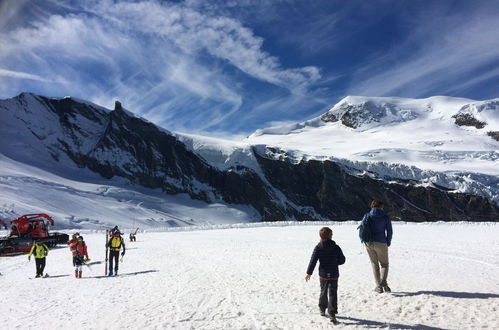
(92, 202)
(443, 276)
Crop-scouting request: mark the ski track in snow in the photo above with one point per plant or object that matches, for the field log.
(443, 277)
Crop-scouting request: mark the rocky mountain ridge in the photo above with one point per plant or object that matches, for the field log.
(73, 134)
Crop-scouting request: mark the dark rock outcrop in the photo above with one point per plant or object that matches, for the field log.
(494, 135)
(333, 193)
(467, 119)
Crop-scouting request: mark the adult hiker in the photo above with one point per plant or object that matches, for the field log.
(80, 256)
(329, 256)
(114, 230)
(114, 244)
(377, 245)
(40, 251)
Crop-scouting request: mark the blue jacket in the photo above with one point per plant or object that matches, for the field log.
(382, 226)
(330, 256)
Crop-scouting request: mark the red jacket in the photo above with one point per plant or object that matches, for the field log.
(81, 249)
(72, 246)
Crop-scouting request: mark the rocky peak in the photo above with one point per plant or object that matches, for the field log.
(358, 112)
(117, 106)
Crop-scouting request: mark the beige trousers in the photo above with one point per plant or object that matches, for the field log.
(378, 254)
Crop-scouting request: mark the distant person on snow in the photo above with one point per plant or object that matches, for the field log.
(377, 249)
(72, 243)
(40, 250)
(114, 244)
(329, 256)
(80, 256)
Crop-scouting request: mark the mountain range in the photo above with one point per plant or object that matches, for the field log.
(428, 159)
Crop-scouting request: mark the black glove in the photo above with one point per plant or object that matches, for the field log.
(122, 253)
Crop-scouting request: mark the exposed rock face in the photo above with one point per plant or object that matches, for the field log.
(494, 135)
(467, 119)
(117, 143)
(357, 115)
(335, 194)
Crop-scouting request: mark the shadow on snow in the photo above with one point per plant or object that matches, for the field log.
(448, 294)
(129, 274)
(376, 324)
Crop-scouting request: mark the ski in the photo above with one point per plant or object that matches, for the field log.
(107, 250)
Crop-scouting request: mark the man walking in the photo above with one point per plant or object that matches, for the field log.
(377, 246)
(114, 244)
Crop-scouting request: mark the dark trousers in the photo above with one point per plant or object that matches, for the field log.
(329, 287)
(114, 255)
(40, 266)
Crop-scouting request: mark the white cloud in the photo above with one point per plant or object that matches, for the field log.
(21, 75)
(222, 37)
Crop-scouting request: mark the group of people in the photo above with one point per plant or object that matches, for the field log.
(327, 252)
(330, 256)
(79, 251)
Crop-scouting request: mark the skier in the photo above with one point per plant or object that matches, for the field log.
(114, 244)
(40, 250)
(133, 238)
(330, 256)
(80, 256)
(377, 249)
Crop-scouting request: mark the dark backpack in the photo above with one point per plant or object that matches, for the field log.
(365, 229)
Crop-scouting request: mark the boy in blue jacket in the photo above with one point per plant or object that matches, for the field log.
(329, 256)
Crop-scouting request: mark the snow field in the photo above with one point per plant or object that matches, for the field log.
(443, 277)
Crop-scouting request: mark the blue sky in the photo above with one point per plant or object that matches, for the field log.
(226, 68)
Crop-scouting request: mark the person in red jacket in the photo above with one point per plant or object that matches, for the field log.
(80, 256)
(72, 243)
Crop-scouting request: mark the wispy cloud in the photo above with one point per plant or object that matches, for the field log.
(158, 58)
(21, 75)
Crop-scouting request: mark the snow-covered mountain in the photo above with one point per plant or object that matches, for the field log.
(60, 154)
(437, 133)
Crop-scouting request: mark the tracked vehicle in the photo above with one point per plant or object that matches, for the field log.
(28, 228)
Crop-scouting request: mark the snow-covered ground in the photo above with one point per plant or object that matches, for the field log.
(443, 276)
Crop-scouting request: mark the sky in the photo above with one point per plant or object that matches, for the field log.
(227, 68)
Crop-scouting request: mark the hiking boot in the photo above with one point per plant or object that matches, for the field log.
(334, 320)
(38, 275)
(378, 289)
(110, 274)
(323, 312)
(386, 288)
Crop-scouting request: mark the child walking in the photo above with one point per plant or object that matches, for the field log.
(329, 256)
(80, 256)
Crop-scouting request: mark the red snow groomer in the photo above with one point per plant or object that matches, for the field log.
(26, 229)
